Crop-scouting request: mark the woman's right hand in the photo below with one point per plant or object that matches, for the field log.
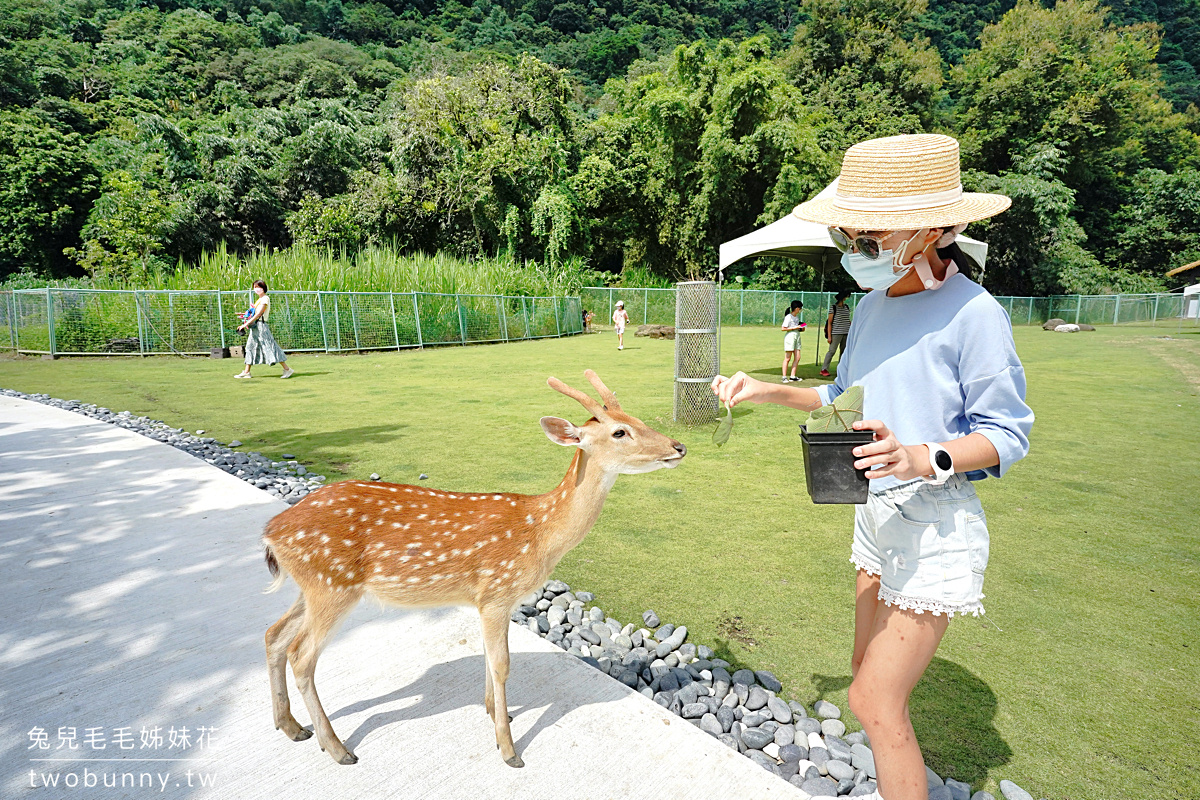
(739, 388)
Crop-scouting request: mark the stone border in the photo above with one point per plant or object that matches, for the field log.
(743, 710)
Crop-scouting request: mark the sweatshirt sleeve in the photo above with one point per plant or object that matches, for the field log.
(993, 386)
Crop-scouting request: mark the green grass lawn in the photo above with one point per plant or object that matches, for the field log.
(1080, 682)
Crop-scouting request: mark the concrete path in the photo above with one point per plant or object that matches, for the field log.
(131, 608)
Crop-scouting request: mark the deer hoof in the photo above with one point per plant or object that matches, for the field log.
(302, 734)
(348, 759)
(515, 762)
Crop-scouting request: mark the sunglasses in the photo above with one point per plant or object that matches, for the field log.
(869, 246)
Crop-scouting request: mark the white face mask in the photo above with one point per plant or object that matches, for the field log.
(884, 271)
(881, 272)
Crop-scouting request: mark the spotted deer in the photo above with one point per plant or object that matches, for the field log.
(418, 547)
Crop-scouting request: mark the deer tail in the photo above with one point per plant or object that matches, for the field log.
(273, 567)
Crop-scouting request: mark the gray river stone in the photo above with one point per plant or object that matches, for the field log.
(820, 787)
(1011, 791)
(757, 738)
(826, 710)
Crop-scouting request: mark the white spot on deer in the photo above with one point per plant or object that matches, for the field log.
(495, 538)
(442, 557)
(497, 497)
(427, 553)
(508, 534)
(329, 581)
(408, 490)
(348, 542)
(391, 489)
(320, 576)
(300, 535)
(363, 518)
(529, 518)
(349, 575)
(525, 549)
(413, 580)
(512, 502)
(467, 527)
(326, 551)
(479, 545)
(422, 516)
(306, 556)
(486, 572)
(378, 568)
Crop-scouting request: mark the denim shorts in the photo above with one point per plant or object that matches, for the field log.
(928, 545)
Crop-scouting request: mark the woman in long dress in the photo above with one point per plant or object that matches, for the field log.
(261, 347)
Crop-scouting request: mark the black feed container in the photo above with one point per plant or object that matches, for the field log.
(829, 466)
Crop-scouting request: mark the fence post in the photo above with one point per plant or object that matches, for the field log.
(1117, 310)
(171, 314)
(741, 308)
(321, 314)
(1154, 321)
(503, 317)
(395, 329)
(1078, 307)
(221, 318)
(645, 306)
(1029, 319)
(137, 306)
(337, 320)
(417, 317)
(50, 320)
(525, 313)
(462, 326)
(354, 321)
(11, 302)
(557, 324)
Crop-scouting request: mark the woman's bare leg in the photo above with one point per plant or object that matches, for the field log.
(899, 647)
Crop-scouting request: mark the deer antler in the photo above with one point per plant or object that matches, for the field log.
(593, 408)
(606, 394)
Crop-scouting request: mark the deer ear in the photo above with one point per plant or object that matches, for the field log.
(559, 431)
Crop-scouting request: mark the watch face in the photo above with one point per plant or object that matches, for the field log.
(943, 460)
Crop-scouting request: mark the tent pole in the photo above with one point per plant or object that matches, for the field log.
(817, 358)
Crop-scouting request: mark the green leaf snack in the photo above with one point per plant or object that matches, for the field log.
(840, 415)
(724, 428)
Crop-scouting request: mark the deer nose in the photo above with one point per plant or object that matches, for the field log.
(679, 448)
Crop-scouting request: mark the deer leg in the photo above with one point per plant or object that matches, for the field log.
(279, 636)
(320, 618)
(495, 645)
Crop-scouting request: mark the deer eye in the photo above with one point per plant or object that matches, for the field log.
(618, 433)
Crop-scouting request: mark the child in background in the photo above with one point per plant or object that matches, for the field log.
(620, 318)
(792, 327)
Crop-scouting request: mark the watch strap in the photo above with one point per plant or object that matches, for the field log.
(942, 463)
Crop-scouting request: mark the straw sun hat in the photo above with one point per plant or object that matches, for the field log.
(901, 183)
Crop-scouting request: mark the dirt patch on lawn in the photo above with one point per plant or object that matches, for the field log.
(735, 629)
(1181, 355)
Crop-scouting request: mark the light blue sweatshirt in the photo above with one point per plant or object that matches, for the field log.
(937, 365)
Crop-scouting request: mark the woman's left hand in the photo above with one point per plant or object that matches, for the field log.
(888, 455)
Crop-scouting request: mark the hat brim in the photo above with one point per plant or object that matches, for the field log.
(972, 207)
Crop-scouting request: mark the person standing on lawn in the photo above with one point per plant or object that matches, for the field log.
(792, 327)
(620, 319)
(837, 326)
(945, 398)
(261, 347)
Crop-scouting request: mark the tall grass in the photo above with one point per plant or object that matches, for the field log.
(379, 268)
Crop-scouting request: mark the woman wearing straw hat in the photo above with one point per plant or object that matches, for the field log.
(944, 393)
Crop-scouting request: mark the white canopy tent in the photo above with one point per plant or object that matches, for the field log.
(809, 242)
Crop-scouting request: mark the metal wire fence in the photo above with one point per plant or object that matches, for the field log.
(752, 307)
(96, 322)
